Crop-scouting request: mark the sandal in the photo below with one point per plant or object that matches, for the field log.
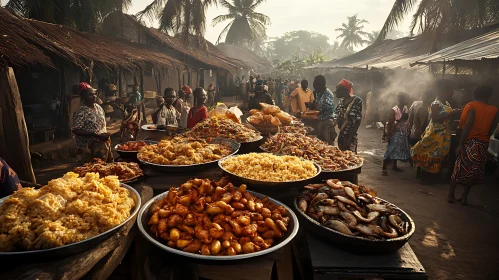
(384, 172)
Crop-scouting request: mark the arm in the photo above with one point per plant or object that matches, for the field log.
(494, 125)
(391, 122)
(412, 112)
(436, 117)
(466, 130)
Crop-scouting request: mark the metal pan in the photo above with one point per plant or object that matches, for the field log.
(195, 167)
(74, 248)
(131, 154)
(144, 216)
(265, 184)
(353, 243)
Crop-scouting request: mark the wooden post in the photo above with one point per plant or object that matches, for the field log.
(443, 70)
(14, 143)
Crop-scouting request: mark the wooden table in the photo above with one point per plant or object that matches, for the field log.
(96, 263)
(329, 262)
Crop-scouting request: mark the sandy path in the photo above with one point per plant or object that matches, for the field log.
(451, 241)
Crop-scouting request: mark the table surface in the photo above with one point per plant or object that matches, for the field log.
(327, 257)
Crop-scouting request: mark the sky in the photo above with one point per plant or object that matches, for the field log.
(322, 16)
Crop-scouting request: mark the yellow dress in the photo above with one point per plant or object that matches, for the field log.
(434, 146)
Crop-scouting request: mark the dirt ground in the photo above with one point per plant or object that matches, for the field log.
(451, 241)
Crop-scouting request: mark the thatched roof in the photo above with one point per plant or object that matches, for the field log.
(209, 56)
(253, 61)
(27, 42)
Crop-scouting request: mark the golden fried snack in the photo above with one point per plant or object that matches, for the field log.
(67, 210)
(125, 171)
(217, 219)
(183, 151)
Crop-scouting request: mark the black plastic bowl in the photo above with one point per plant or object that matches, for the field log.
(353, 243)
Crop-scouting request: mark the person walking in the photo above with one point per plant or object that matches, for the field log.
(478, 121)
(434, 146)
(397, 135)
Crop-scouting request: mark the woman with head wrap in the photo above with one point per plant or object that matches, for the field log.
(89, 127)
(348, 114)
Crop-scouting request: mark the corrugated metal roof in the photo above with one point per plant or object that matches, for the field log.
(485, 46)
(400, 53)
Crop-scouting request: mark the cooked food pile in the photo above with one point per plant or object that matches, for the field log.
(68, 210)
(126, 171)
(301, 129)
(223, 128)
(352, 210)
(183, 151)
(269, 115)
(330, 158)
(215, 219)
(133, 146)
(269, 167)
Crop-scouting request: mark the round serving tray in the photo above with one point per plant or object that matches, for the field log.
(74, 248)
(195, 167)
(353, 243)
(131, 154)
(257, 184)
(324, 172)
(144, 216)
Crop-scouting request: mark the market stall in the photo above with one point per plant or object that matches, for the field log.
(282, 211)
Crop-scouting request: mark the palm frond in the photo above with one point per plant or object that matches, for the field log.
(152, 10)
(399, 10)
(222, 18)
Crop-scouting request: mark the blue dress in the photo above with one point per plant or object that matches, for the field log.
(398, 148)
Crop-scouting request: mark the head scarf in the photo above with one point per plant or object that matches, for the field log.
(346, 84)
(187, 89)
(83, 87)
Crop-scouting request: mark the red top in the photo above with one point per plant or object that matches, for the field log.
(196, 116)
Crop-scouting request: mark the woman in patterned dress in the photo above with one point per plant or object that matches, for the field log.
(478, 121)
(89, 127)
(398, 148)
(434, 146)
(348, 114)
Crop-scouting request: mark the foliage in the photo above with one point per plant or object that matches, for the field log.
(352, 32)
(434, 18)
(83, 15)
(372, 37)
(301, 43)
(185, 17)
(246, 26)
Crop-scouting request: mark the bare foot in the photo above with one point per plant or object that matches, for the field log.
(384, 172)
(463, 202)
(451, 199)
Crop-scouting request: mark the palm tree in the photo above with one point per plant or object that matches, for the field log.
(246, 26)
(185, 17)
(352, 33)
(372, 37)
(434, 18)
(83, 15)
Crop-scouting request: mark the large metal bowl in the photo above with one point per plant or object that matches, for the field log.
(257, 184)
(131, 154)
(74, 248)
(250, 146)
(234, 146)
(145, 215)
(353, 243)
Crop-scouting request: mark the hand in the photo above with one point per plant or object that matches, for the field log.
(459, 150)
(103, 136)
(456, 112)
